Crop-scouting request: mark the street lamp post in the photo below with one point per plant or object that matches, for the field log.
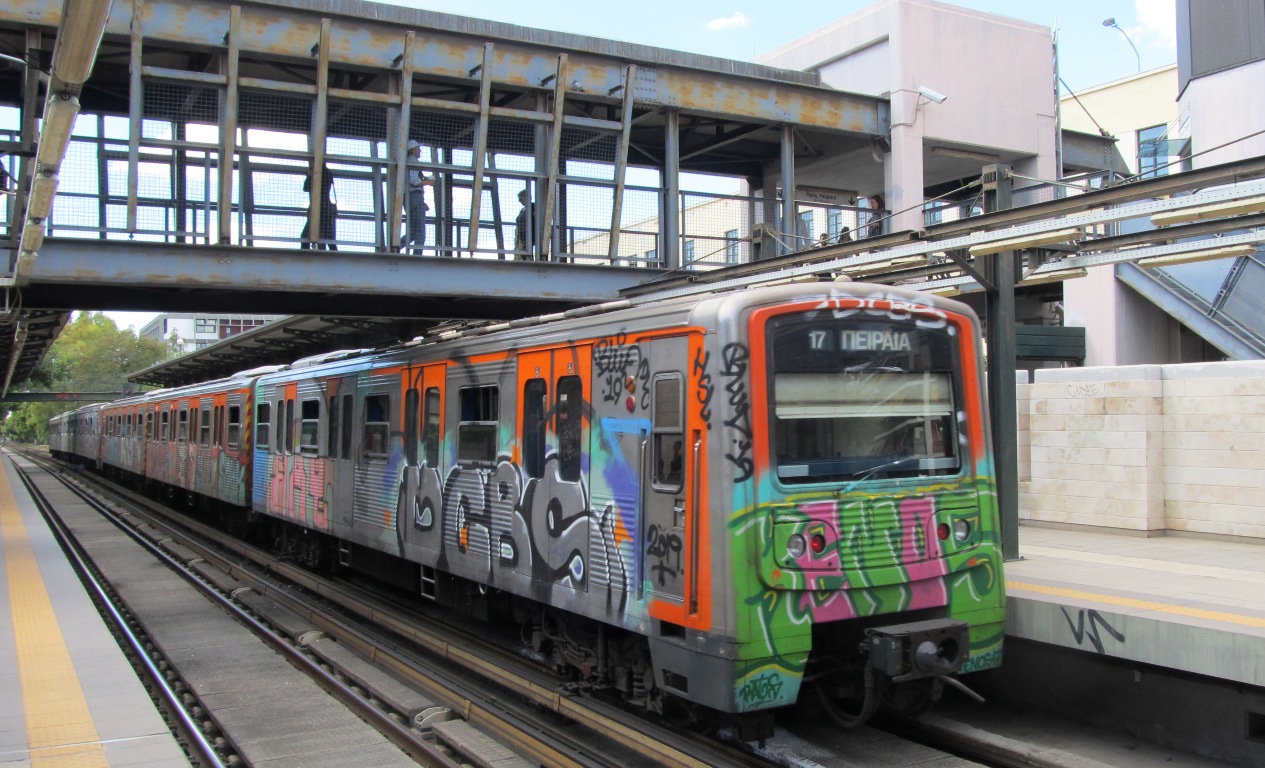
(1112, 23)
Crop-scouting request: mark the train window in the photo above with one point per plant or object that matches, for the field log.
(205, 428)
(217, 422)
(331, 430)
(533, 439)
(263, 423)
(348, 419)
(430, 432)
(234, 426)
(568, 424)
(149, 425)
(309, 427)
(377, 426)
(668, 428)
(163, 423)
(182, 430)
(289, 426)
(861, 398)
(412, 432)
(476, 431)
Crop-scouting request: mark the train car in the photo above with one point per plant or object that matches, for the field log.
(197, 438)
(76, 435)
(704, 499)
(123, 437)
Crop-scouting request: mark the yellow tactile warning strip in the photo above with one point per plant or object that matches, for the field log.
(59, 726)
(1128, 602)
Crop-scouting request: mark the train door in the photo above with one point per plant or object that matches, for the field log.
(553, 432)
(377, 459)
(668, 464)
(422, 485)
(340, 402)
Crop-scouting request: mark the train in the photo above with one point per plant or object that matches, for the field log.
(707, 503)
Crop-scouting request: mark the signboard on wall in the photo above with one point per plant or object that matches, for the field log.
(823, 196)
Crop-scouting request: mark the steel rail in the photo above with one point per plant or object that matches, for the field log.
(86, 571)
(404, 738)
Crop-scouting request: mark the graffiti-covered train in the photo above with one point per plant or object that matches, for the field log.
(720, 500)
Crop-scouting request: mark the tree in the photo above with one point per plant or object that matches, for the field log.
(90, 355)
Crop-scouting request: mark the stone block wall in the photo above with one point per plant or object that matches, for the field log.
(1146, 448)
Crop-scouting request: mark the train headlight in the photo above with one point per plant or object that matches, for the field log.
(961, 530)
(795, 546)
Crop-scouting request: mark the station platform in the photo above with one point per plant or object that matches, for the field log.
(1191, 605)
(70, 697)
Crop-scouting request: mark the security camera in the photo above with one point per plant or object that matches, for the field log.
(932, 95)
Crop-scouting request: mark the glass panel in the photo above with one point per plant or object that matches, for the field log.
(309, 427)
(858, 399)
(377, 426)
(569, 426)
(263, 423)
(234, 425)
(430, 434)
(534, 406)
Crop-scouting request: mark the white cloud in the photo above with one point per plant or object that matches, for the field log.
(1158, 21)
(736, 19)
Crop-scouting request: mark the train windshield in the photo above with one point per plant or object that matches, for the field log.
(860, 398)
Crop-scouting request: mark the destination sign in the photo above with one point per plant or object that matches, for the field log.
(821, 339)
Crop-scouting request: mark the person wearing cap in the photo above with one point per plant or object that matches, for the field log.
(415, 232)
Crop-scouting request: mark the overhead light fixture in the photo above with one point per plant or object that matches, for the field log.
(1207, 254)
(1027, 241)
(78, 38)
(1215, 211)
(966, 154)
(1054, 277)
(32, 237)
(60, 111)
(40, 202)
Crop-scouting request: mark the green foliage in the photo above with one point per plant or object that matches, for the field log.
(90, 355)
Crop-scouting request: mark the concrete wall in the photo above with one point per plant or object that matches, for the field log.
(1146, 448)
(1223, 109)
(1124, 107)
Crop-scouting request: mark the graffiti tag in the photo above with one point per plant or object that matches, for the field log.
(1096, 621)
(705, 389)
(665, 547)
(765, 688)
(1092, 389)
(613, 360)
(734, 358)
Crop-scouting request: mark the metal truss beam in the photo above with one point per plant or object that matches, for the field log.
(334, 274)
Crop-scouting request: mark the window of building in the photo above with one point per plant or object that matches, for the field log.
(309, 427)
(731, 247)
(806, 228)
(834, 224)
(687, 254)
(479, 421)
(377, 427)
(263, 424)
(652, 257)
(1153, 151)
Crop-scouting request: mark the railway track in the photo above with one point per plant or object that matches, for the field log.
(382, 657)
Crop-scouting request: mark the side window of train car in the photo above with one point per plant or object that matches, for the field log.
(412, 427)
(182, 434)
(669, 431)
(477, 427)
(332, 424)
(309, 427)
(533, 438)
(234, 426)
(163, 418)
(149, 425)
(569, 427)
(377, 427)
(263, 423)
(430, 433)
(204, 436)
(289, 426)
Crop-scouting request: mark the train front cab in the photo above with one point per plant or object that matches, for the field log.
(862, 497)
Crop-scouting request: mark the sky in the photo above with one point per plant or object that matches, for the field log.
(1089, 53)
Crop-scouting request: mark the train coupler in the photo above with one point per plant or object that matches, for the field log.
(933, 648)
